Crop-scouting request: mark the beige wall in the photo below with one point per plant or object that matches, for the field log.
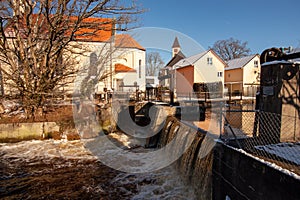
(241, 78)
(128, 78)
(201, 71)
(251, 72)
(205, 72)
(234, 75)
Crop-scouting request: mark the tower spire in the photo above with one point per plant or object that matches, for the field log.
(175, 47)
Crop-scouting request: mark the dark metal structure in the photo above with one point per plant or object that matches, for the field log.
(277, 54)
(279, 92)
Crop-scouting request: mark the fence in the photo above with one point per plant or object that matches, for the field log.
(269, 136)
(205, 96)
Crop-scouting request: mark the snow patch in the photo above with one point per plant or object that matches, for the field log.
(287, 151)
(270, 164)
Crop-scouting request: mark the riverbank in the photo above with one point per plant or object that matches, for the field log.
(55, 170)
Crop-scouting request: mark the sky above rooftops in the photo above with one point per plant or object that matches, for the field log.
(261, 23)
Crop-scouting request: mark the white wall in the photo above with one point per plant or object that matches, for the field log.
(130, 57)
(128, 79)
(108, 57)
(83, 62)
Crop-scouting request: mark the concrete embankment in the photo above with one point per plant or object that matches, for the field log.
(14, 132)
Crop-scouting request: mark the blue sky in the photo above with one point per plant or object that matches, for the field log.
(261, 23)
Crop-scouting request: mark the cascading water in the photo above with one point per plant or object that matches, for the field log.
(195, 164)
(58, 169)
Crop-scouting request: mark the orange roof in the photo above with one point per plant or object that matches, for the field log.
(123, 68)
(90, 30)
(23, 25)
(94, 29)
(126, 41)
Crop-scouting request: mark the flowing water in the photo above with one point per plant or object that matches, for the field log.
(60, 169)
(195, 163)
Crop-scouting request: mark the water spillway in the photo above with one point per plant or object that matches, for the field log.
(195, 163)
(216, 169)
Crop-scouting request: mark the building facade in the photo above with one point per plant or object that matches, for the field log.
(205, 68)
(100, 57)
(242, 75)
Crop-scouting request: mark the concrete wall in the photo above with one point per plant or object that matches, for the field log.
(23, 131)
(240, 176)
(225, 172)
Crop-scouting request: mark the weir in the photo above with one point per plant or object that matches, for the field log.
(217, 168)
(218, 171)
(248, 154)
(195, 164)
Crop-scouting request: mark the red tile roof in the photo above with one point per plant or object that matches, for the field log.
(91, 30)
(123, 68)
(95, 30)
(126, 41)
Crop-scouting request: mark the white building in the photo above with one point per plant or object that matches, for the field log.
(203, 68)
(129, 64)
(119, 63)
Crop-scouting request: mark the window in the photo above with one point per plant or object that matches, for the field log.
(120, 84)
(255, 63)
(220, 74)
(209, 61)
(93, 65)
(140, 68)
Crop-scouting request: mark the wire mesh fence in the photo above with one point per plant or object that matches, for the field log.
(269, 136)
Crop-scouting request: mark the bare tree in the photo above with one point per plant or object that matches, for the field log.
(231, 48)
(40, 42)
(153, 63)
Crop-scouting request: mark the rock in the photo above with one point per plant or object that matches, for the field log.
(88, 133)
(2, 110)
(9, 106)
(72, 135)
(54, 135)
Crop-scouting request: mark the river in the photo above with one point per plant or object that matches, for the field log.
(61, 169)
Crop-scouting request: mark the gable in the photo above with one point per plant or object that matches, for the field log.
(195, 58)
(126, 41)
(190, 60)
(239, 62)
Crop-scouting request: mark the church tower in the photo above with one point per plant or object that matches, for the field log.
(175, 47)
